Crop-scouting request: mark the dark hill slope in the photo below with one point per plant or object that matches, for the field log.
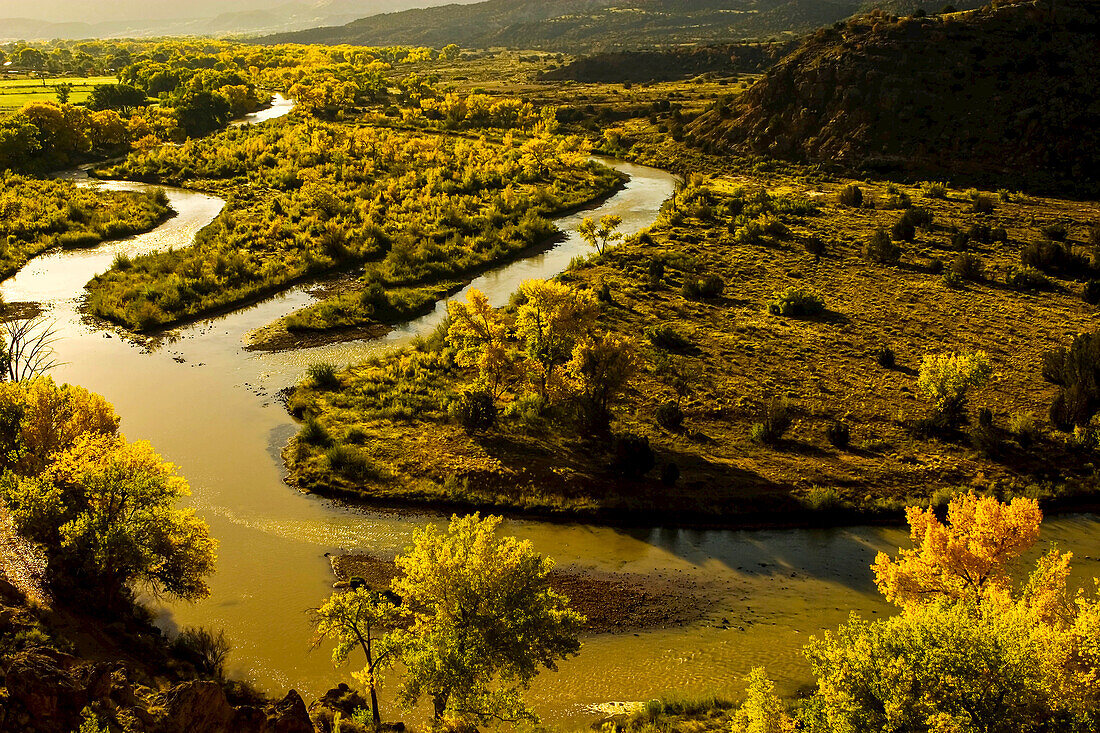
(589, 25)
(1004, 95)
(671, 64)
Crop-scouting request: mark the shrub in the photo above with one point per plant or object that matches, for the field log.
(668, 338)
(982, 233)
(815, 247)
(968, 267)
(669, 415)
(1076, 371)
(903, 230)
(918, 216)
(895, 198)
(475, 410)
(1027, 278)
(204, 649)
(885, 357)
(1023, 427)
(350, 461)
(708, 287)
(935, 266)
(881, 249)
(985, 436)
(1055, 232)
(934, 189)
(1053, 257)
(960, 240)
(1091, 293)
(324, 376)
(314, 433)
(839, 434)
(947, 378)
(655, 272)
(775, 419)
(851, 195)
(796, 303)
(821, 499)
(952, 280)
(983, 204)
(631, 456)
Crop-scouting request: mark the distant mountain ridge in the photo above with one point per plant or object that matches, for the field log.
(76, 19)
(1006, 94)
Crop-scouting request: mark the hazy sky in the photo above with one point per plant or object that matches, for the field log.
(90, 11)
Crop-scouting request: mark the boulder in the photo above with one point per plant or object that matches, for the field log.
(289, 715)
(198, 707)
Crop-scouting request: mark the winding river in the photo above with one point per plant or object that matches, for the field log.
(208, 405)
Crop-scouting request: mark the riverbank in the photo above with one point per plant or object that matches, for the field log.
(612, 603)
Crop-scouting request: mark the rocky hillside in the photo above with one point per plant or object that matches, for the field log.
(727, 59)
(1006, 95)
(583, 25)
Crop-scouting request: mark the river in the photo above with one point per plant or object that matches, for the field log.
(208, 406)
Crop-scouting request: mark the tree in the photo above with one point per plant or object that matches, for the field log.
(966, 558)
(947, 378)
(484, 620)
(549, 322)
(360, 617)
(762, 711)
(121, 97)
(450, 52)
(202, 112)
(31, 59)
(63, 91)
(600, 235)
(1076, 372)
(26, 349)
(478, 332)
(601, 368)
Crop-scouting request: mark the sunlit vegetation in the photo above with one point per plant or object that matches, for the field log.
(103, 509)
(37, 215)
(888, 397)
(308, 197)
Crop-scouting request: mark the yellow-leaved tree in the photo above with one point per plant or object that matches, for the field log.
(478, 333)
(551, 319)
(103, 509)
(973, 554)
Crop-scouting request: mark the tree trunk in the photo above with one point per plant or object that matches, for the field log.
(440, 702)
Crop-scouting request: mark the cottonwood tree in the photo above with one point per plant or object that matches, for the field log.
(484, 620)
(600, 235)
(601, 369)
(946, 379)
(363, 618)
(549, 322)
(970, 555)
(479, 334)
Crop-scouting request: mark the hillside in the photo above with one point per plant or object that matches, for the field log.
(1005, 96)
(728, 59)
(583, 24)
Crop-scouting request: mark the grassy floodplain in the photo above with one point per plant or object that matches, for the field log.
(16, 93)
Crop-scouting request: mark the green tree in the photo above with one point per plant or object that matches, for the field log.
(200, 113)
(362, 618)
(484, 620)
(599, 235)
(947, 379)
(450, 52)
(762, 711)
(63, 91)
(121, 97)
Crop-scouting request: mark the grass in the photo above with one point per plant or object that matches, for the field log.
(826, 367)
(15, 93)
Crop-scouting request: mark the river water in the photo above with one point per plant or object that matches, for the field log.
(208, 406)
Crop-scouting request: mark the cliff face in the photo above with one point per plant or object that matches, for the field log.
(1009, 94)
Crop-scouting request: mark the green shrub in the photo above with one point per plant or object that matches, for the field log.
(655, 272)
(851, 195)
(903, 230)
(1052, 257)
(968, 267)
(918, 216)
(709, 287)
(885, 357)
(815, 247)
(839, 434)
(350, 461)
(668, 338)
(895, 198)
(982, 233)
(776, 418)
(314, 433)
(881, 249)
(475, 410)
(934, 189)
(983, 204)
(821, 499)
(324, 376)
(1027, 278)
(952, 280)
(1023, 427)
(796, 303)
(669, 415)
